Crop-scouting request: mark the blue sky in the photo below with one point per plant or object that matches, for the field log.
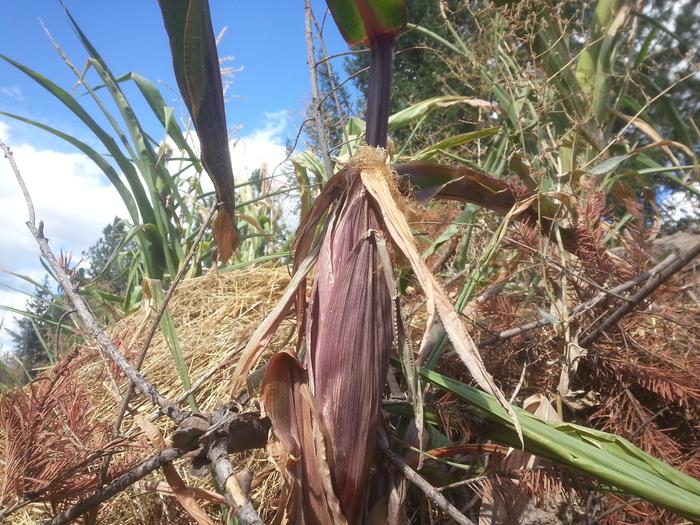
(266, 39)
(265, 106)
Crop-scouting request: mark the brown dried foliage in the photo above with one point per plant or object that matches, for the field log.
(639, 380)
(51, 442)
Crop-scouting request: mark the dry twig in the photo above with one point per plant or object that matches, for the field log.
(585, 306)
(430, 491)
(315, 99)
(645, 291)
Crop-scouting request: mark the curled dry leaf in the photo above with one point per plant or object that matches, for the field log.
(297, 446)
(429, 180)
(375, 175)
(226, 233)
(166, 490)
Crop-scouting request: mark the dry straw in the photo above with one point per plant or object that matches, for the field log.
(214, 316)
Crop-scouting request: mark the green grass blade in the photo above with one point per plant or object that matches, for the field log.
(455, 140)
(156, 102)
(44, 345)
(624, 466)
(416, 111)
(170, 334)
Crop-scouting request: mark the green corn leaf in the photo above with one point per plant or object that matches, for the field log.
(152, 246)
(364, 21)
(35, 284)
(30, 315)
(196, 65)
(109, 143)
(156, 102)
(167, 325)
(606, 457)
(151, 173)
(456, 140)
(349, 21)
(416, 111)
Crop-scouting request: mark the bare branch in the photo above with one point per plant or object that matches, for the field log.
(119, 484)
(430, 491)
(585, 306)
(315, 104)
(30, 206)
(645, 291)
(223, 470)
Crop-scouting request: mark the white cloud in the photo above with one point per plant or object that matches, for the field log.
(263, 146)
(12, 92)
(75, 201)
(70, 195)
(681, 205)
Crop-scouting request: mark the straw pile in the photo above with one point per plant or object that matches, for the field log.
(214, 315)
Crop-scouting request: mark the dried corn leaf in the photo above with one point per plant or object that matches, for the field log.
(184, 495)
(297, 445)
(374, 177)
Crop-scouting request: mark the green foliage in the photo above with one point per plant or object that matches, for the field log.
(364, 21)
(35, 334)
(108, 259)
(605, 457)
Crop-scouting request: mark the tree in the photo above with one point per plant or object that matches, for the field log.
(107, 261)
(34, 337)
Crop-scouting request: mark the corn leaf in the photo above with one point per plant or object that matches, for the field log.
(297, 445)
(430, 180)
(420, 109)
(603, 456)
(364, 21)
(451, 142)
(374, 177)
(167, 325)
(196, 65)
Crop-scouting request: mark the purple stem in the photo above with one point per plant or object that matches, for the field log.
(381, 68)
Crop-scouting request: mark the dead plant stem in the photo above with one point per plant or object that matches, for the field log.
(315, 97)
(645, 291)
(431, 492)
